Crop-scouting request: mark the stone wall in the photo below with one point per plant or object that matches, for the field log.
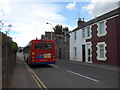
(0, 60)
(8, 60)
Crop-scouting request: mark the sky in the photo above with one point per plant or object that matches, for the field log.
(29, 17)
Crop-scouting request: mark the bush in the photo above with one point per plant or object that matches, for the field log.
(14, 46)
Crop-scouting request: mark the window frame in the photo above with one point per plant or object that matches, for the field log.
(75, 52)
(98, 51)
(98, 29)
(75, 35)
(87, 32)
(83, 33)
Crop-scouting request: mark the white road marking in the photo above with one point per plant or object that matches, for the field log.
(54, 65)
(82, 76)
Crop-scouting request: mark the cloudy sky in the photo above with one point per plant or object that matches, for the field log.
(29, 17)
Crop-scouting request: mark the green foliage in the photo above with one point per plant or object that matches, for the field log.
(14, 46)
(58, 29)
(65, 29)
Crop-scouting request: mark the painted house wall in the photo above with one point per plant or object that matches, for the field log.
(111, 41)
(76, 43)
(118, 37)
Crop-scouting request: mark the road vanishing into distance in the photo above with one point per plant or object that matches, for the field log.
(65, 74)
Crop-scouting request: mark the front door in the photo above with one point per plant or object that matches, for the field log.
(88, 53)
(83, 53)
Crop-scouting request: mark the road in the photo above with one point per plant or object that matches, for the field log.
(68, 75)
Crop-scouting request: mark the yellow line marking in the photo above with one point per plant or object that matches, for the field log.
(34, 78)
(38, 79)
(32, 73)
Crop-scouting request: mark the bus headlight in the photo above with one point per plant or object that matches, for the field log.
(32, 60)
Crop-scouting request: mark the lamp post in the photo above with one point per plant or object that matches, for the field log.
(51, 29)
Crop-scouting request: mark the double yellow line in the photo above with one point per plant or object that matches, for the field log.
(35, 77)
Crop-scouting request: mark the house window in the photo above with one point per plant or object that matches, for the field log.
(101, 49)
(88, 32)
(83, 32)
(101, 52)
(101, 29)
(74, 35)
(75, 52)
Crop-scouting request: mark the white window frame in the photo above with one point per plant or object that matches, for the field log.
(98, 52)
(98, 29)
(87, 32)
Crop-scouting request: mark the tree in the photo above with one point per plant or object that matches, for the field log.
(58, 29)
(65, 29)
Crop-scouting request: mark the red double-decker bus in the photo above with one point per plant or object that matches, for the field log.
(40, 52)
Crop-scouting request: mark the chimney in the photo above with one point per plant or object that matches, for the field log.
(80, 21)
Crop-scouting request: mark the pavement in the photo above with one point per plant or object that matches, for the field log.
(93, 65)
(20, 77)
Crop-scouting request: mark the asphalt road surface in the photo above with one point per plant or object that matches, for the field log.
(69, 75)
(65, 75)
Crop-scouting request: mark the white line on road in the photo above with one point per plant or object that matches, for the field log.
(82, 76)
(54, 65)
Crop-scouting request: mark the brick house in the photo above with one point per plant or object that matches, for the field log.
(97, 41)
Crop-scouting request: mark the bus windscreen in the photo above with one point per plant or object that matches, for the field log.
(39, 46)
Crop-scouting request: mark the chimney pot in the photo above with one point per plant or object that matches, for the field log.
(80, 21)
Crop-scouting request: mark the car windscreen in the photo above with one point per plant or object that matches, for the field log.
(43, 46)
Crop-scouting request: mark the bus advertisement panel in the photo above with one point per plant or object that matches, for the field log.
(40, 52)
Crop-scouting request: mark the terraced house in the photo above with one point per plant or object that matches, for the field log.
(98, 40)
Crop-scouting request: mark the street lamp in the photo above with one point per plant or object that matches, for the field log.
(51, 29)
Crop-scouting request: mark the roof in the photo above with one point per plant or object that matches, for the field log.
(97, 19)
